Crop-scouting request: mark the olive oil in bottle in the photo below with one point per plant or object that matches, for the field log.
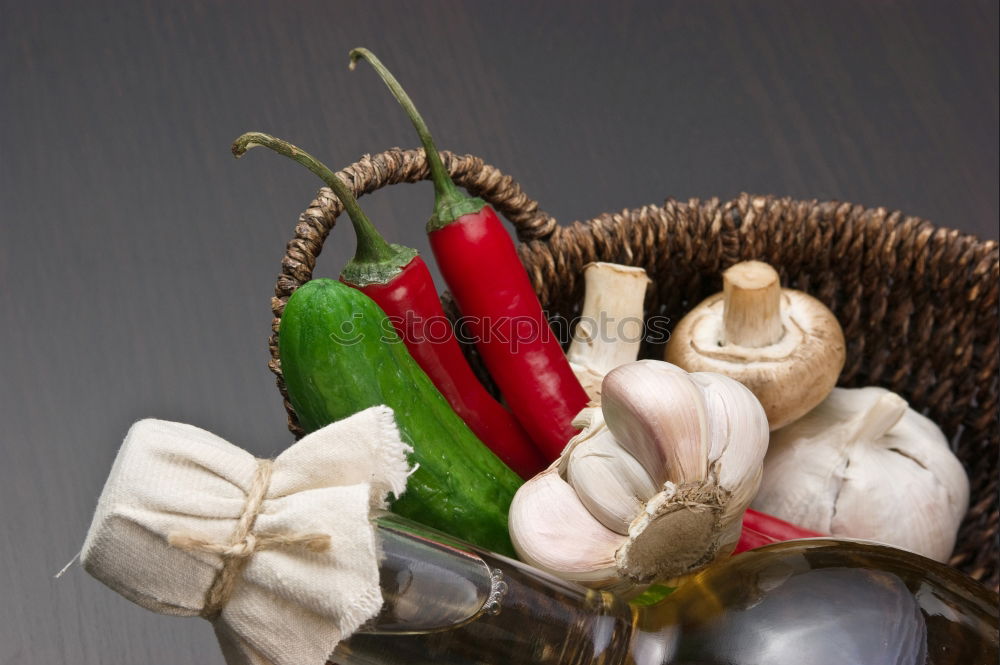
(817, 601)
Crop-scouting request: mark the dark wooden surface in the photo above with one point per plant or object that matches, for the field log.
(137, 258)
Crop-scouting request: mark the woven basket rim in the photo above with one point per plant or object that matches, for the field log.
(731, 231)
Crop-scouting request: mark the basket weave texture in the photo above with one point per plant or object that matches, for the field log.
(918, 304)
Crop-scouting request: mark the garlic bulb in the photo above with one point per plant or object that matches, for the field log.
(610, 328)
(655, 485)
(782, 344)
(864, 465)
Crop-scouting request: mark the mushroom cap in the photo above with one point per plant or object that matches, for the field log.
(789, 377)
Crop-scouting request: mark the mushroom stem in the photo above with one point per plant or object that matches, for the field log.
(879, 418)
(751, 293)
(610, 329)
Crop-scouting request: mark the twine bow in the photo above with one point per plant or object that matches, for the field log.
(243, 544)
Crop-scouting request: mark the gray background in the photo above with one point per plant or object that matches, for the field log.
(137, 257)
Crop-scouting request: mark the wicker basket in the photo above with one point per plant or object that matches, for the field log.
(918, 304)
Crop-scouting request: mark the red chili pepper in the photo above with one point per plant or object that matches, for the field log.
(397, 279)
(761, 529)
(480, 265)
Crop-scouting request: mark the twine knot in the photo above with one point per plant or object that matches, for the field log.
(243, 544)
(242, 549)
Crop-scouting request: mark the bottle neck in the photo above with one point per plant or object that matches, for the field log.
(445, 602)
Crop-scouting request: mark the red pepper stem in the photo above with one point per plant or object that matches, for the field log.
(449, 202)
(374, 258)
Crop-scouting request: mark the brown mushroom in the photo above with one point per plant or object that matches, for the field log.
(782, 344)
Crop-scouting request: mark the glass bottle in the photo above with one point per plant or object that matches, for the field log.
(817, 601)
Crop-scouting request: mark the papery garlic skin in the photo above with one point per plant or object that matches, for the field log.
(552, 530)
(733, 414)
(668, 435)
(864, 465)
(663, 472)
(591, 463)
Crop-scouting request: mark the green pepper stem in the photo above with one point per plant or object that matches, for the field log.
(449, 202)
(372, 247)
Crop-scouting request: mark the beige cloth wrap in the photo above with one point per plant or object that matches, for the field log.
(289, 604)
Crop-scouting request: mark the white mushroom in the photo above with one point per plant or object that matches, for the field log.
(610, 328)
(784, 345)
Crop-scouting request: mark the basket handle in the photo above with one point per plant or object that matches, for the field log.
(370, 173)
(394, 166)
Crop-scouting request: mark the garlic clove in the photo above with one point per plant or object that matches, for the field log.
(590, 422)
(552, 530)
(609, 481)
(657, 414)
(738, 432)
